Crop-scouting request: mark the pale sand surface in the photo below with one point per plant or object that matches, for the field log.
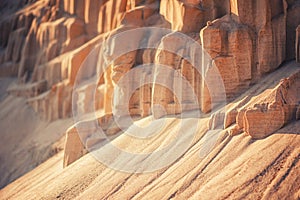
(237, 168)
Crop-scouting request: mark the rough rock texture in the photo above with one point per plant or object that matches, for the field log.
(276, 111)
(231, 48)
(48, 41)
(267, 20)
(191, 15)
(77, 144)
(45, 43)
(266, 107)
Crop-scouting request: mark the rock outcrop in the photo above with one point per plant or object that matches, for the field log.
(231, 47)
(45, 43)
(270, 108)
(205, 53)
(277, 110)
(191, 15)
(49, 45)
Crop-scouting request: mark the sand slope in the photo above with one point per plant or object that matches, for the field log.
(26, 140)
(237, 168)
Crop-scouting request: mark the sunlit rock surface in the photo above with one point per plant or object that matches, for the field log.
(236, 52)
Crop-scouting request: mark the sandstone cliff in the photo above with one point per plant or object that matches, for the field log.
(246, 61)
(45, 43)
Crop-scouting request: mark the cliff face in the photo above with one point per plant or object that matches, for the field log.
(45, 42)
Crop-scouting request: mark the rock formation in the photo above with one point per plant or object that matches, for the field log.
(232, 61)
(244, 43)
(45, 43)
(277, 110)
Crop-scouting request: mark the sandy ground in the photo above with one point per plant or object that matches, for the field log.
(237, 167)
(26, 141)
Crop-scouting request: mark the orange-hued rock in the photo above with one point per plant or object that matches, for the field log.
(28, 56)
(74, 7)
(110, 15)
(91, 13)
(265, 98)
(54, 34)
(108, 91)
(120, 58)
(274, 111)
(99, 97)
(230, 46)
(163, 91)
(176, 83)
(74, 149)
(50, 71)
(266, 19)
(58, 37)
(263, 119)
(52, 45)
(192, 15)
(234, 130)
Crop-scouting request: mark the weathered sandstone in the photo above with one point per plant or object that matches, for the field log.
(275, 111)
(191, 15)
(47, 42)
(266, 19)
(231, 48)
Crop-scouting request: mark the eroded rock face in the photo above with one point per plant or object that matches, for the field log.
(84, 135)
(267, 19)
(231, 47)
(263, 120)
(191, 15)
(243, 46)
(45, 43)
(275, 111)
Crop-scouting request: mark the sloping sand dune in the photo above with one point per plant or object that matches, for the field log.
(26, 140)
(238, 167)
